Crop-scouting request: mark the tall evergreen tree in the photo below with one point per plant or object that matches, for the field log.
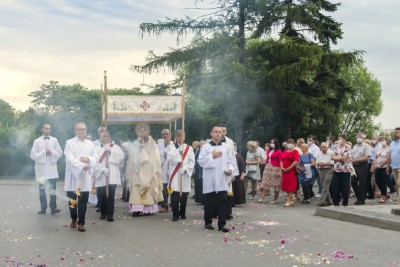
(237, 67)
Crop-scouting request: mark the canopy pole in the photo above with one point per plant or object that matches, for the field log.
(183, 103)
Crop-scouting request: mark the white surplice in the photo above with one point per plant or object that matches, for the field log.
(214, 178)
(174, 157)
(114, 159)
(164, 161)
(46, 166)
(75, 176)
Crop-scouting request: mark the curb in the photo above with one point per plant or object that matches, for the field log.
(354, 215)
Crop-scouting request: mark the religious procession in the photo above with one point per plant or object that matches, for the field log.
(158, 176)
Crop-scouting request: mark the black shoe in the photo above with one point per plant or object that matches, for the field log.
(223, 229)
(305, 201)
(110, 219)
(55, 211)
(359, 202)
(193, 197)
(209, 227)
(183, 217)
(229, 217)
(174, 219)
(102, 217)
(42, 212)
(97, 210)
(136, 214)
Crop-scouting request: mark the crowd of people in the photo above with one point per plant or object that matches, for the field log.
(367, 169)
(157, 175)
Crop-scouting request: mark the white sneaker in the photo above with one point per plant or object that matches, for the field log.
(317, 195)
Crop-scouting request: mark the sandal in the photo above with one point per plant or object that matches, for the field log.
(274, 202)
(383, 199)
(261, 200)
(289, 204)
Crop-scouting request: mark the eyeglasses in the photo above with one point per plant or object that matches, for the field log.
(81, 129)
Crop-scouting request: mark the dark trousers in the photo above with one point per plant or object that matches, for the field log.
(306, 189)
(215, 202)
(125, 190)
(381, 180)
(43, 197)
(79, 211)
(370, 189)
(164, 203)
(229, 202)
(178, 204)
(106, 204)
(359, 182)
(340, 187)
(198, 191)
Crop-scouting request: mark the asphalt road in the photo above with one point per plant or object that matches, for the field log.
(261, 235)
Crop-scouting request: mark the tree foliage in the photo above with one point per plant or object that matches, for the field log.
(260, 83)
(362, 103)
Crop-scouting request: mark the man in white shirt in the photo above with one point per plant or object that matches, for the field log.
(80, 158)
(218, 164)
(46, 151)
(325, 166)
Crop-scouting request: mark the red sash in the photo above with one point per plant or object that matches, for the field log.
(104, 154)
(176, 169)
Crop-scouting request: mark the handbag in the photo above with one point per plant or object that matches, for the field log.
(252, 168)
(300, 167)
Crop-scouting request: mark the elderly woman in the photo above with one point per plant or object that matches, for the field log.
(289, 160)
(252, 169)
(272, 172)
(379, 166)
(307, 160)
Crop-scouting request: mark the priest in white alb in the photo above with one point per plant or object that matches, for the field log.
(144, 173)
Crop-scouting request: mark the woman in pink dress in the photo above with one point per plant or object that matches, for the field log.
(289, 160)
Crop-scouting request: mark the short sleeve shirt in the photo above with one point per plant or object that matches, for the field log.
(342, 151)
(395, 154)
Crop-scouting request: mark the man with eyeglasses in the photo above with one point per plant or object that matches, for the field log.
(80, 158)
(394, 160)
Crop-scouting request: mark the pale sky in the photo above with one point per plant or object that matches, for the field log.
(74, 41)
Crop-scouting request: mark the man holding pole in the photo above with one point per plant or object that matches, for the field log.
(181, 161)
(107, 175)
